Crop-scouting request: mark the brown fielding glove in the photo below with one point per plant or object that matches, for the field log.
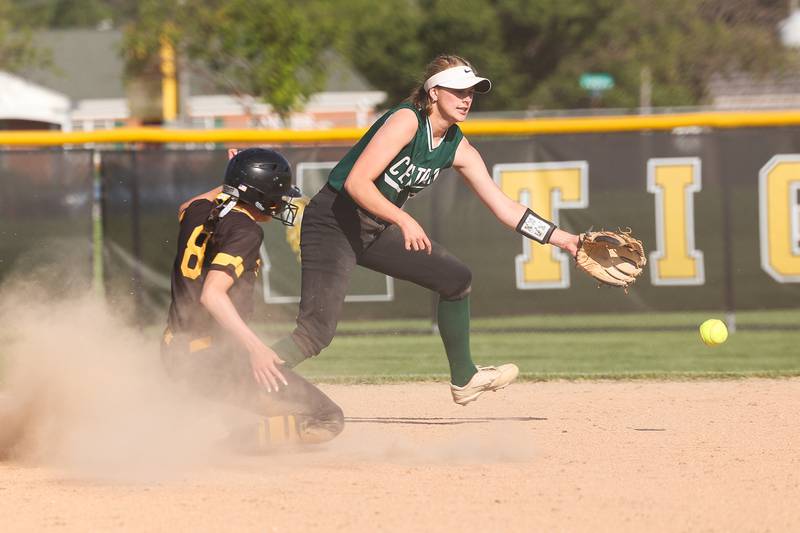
(613, 258)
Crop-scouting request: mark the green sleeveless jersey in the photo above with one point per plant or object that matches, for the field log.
(416, 166)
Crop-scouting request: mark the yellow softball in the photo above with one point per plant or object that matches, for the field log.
(713, 332)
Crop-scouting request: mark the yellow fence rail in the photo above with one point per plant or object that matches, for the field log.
(482, 128)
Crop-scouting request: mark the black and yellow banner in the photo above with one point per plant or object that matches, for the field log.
(718, 211)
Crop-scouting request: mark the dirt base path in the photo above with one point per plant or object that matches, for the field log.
(609, 456)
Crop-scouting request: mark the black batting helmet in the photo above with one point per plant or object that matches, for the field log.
(263, 178)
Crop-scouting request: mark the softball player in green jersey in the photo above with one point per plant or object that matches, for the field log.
(357, 219)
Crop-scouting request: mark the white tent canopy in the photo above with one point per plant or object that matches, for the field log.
(22, 100)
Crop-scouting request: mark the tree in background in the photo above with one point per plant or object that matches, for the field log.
(57, 14)
(17, 49)
(145, 29)
(683, 43)
(536, 50)
(270, 49)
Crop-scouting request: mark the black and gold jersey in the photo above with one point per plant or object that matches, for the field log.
(233, 248)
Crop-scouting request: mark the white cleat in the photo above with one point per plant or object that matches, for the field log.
(487, 378)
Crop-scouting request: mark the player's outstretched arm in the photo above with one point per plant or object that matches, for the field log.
(263, 360)
(565, 240)
(469, 163)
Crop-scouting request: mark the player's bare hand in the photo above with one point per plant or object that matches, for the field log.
(265, 364)
(414, 236)
(566, 241)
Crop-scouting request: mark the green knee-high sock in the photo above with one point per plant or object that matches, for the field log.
(453, 316)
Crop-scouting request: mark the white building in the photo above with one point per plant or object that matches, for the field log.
(89, 74)
(26, 105)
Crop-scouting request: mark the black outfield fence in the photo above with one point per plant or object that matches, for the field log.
(718, 211)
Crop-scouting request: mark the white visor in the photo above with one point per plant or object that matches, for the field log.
(460, 77)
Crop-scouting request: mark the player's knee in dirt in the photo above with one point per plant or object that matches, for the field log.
(271, 433)
(323, 426)
(334, 420)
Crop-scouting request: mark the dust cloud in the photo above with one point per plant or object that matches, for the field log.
(82, 390)
(469, 444)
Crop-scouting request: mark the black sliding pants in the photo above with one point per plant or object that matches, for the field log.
(336, 236)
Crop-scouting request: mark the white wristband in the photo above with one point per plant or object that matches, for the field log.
(535, 227)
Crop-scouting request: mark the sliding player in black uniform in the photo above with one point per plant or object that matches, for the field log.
(207, 342)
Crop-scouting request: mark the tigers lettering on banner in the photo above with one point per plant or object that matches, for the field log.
(779, 217)
(674, 182)
(546, 188)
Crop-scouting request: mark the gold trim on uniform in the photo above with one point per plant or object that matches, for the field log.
(224, 259)
(199, 344)
(274, 430)
(245, 211)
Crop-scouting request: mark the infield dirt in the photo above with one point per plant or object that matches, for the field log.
(556, 456)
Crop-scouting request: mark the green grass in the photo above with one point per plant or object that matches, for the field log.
(655, 346)
(789, 319)
(652, 346)
(626, 355)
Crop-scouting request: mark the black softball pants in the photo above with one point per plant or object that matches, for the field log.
(336, 236)
(220, 370)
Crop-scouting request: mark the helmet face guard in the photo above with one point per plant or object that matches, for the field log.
(278, 207)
